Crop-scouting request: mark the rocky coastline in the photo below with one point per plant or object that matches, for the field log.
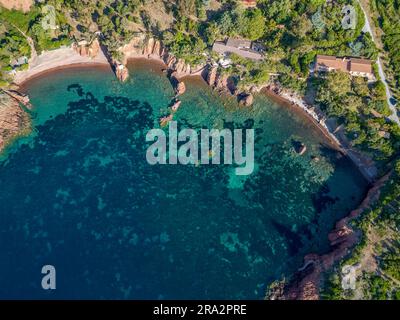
(150, 48)
(15, 121)
(305, 284)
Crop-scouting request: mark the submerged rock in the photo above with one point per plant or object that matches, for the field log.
(165, 120)
(246, 100)
(302, 149)
(180, 88)
(299, 147)
(176, 105)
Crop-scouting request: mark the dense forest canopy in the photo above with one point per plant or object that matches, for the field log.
(389, 21)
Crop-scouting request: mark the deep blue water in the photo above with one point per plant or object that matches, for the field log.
(78, 194)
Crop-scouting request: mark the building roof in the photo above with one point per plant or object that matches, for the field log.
(324, 57)
(344, 64)
(331, 62)
(222, 48)
(360, 65)
(238, 43)
(249, 3)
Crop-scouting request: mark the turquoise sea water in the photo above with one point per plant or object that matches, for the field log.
(78, 194)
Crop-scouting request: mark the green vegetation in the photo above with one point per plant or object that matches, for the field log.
(186, 45)
(293, 32)
(391, 262)
(378, 277)
(389, 22)
(19, 19)
(31, 24)
(15, 29)
(360, 107)
(116, 20)
(13, 46)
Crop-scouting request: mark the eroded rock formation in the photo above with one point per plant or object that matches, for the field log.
(180, 88)
(87, 50)
(305, 284)
(140, 46)
(121, 72)
(246, 100)
(14, 121)
(212, 76)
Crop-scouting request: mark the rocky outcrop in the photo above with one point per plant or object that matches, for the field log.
(180, 88)
(85, 49)
(94, 48)
(221, 82)
(246, 99)
(305, 284)
(141, 46)
(212, 76)
(121, 72)
(14, 120)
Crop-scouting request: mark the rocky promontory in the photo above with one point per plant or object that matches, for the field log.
(142, 47)
(121, 72)
(87, 49)
(306, 282)
(151, 48)
(14, 120)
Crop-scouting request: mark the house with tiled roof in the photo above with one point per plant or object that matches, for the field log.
(354, 66)
(249, 3)
(242, 47)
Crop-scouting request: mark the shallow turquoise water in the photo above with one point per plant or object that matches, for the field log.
(78, 194)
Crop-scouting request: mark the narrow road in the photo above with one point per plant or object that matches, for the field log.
(367, 28)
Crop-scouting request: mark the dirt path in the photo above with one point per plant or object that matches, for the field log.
(33, 58)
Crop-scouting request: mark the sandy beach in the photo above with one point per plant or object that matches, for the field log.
(57, 59)
(67, 58)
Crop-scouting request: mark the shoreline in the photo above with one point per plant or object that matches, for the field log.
(334, 143)
(159, 65)
(156, 65)
(363, 164)
(305, 284)
(73, 60)
(57, 59)
(79, 66)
